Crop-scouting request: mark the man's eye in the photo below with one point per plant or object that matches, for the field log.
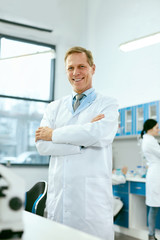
(82, 66)
(70, 68)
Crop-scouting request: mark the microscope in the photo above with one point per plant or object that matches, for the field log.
(12, 195)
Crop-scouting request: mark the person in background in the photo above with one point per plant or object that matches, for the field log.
(116, 180)
(151, 151)
(78, 131)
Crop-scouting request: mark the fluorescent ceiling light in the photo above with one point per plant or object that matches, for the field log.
(140, 43)
(51, 54)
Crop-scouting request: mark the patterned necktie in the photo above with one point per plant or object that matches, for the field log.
(77, 102)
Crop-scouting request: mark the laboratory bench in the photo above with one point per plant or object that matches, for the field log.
(40, 228)
(132, 220)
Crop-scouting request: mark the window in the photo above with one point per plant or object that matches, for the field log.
(27, 86)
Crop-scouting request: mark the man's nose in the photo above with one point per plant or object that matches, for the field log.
(76, 72)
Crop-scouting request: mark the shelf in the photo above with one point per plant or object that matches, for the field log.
(126, 137)
(137, 137)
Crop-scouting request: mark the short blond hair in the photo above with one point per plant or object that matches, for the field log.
(80, 50)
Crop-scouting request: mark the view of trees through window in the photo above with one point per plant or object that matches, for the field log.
(27, 86)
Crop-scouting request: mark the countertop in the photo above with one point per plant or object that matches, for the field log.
(136, 179)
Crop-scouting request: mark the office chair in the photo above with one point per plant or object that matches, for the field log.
(35, 198)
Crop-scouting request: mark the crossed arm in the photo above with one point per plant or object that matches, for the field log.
(46, 146)
(45, 133)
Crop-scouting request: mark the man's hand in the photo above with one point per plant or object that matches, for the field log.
(44, 133)
(97, 118)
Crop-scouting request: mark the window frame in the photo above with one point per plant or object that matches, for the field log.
(53, 63)
(52, 86)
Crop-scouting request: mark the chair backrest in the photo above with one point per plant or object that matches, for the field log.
(35, 198)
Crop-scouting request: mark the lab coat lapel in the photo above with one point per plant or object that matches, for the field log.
(68, 103)
(87, 101)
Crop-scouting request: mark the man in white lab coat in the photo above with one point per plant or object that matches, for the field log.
(78, 133)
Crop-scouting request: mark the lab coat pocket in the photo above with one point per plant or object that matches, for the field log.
(98, 199)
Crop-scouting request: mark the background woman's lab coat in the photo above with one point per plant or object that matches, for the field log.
(151, 151)
(80, 185)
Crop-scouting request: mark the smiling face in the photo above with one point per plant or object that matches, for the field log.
(79, 72)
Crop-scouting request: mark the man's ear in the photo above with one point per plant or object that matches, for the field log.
(93, 68)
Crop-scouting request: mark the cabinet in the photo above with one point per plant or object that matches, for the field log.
(140, 117)
(137, 188)
(131, 119)
(122, 191)
(128, 120)
(132, 220)
(138, 210)
(153, 110)
(120, 130)
(133, 213)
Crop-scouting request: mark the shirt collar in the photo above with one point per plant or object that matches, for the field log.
(87, 92)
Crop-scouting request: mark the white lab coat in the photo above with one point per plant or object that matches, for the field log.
(117, 203)
(80, 185)
(151, 151)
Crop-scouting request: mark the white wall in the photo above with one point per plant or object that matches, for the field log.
(31, 175)
(127, 152)
(132, 77)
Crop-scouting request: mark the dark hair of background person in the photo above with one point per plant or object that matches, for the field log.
(148, 124)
